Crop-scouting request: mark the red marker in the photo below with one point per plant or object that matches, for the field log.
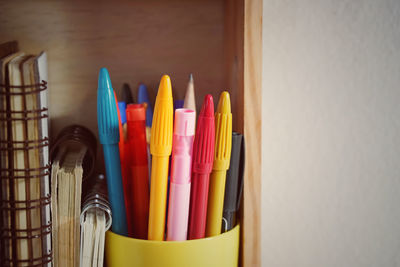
(139, 172)
(203, 157)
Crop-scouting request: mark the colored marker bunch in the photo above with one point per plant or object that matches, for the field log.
(199, 161)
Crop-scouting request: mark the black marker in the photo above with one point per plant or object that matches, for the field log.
(126, 94)
(234, 182)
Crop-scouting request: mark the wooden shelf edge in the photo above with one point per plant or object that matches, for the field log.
(251, 240)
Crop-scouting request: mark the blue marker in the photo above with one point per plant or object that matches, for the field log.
(178, 104)
(122, 111)
(143, 97)
(107, 120)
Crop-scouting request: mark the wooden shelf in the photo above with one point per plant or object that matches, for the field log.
(138, 41)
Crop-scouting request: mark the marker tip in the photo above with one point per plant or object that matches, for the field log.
(104, 82)
(165, 88)
(224, 103)
(207, 108)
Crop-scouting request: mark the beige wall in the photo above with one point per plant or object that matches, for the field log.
(331, 133)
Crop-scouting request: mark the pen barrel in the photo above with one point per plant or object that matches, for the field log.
(115, 188)
(198, 205)
(181, 161)
(158, 197)
(229, 220)
(138, 167)
(234, 181)
(127, 187)
(140, 196)
(178, 212)
(215, 202)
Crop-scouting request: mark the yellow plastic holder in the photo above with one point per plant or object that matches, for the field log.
(221, 250)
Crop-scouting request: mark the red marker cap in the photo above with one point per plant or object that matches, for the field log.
(203, 147)
(136, 119)
(135, 112)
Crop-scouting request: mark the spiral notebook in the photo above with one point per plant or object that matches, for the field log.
(95, 221)
(66, 187)
(24, 170)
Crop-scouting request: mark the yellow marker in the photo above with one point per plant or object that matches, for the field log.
(160, 149)
(222, 156)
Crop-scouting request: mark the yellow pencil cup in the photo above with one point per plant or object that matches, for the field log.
(221, 250)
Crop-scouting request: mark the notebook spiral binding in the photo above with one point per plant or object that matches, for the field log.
(11, 236)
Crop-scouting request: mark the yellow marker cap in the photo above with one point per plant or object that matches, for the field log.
(161, 130)
(223, 133)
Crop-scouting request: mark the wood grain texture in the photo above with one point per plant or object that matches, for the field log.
(251, 239)
(234, 58)
(137, 41)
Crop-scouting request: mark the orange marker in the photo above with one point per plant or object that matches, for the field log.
(125, 172)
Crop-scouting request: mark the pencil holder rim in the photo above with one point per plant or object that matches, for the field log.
(205, 239)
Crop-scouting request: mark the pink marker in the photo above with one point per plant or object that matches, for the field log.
(181, 168)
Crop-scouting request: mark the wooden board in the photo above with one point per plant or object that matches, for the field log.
(137, 41)
(251, 239)
(234, 57)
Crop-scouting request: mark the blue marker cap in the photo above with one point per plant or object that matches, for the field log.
(178, 104)
(107, 116)
(122, 111)
(143, 97)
